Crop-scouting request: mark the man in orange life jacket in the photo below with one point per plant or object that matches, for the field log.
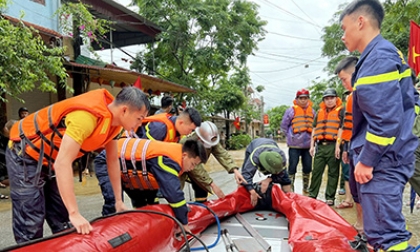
(344, 70)
(297, 125)
(324, 136)
(161, 127)
(43, 146)
(164, 163)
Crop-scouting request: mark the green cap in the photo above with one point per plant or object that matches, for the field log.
(271, 161)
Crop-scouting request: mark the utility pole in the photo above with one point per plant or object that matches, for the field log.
(262, 117)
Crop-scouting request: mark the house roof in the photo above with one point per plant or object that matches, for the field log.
(117, 75)
(41, 29)
(128, 28)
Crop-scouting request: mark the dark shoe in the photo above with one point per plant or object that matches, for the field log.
(359, 243)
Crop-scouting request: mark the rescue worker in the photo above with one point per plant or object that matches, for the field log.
(382, 144)
(202, 183)
(166, 104)
(324, 136)
(297, 126)
(23, 112)
(161, 127)
(344, 70)
(164, 163)
(43, 146)
(265, 156)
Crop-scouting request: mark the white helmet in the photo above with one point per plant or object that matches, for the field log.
(208, 133)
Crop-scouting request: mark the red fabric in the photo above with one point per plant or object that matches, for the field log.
(414, 47)
(314, 226)
(137, 83)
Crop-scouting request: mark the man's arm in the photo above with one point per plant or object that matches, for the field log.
(166, 172)
(69, 149)
(224, 158)
(287, 120)
(114, 173)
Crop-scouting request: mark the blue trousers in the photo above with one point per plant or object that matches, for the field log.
(35, 197)
(101, 171)
(381, 200)
(294, 155)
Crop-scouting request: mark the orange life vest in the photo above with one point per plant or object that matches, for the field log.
(137, 149)
(43, 130)
(170, 126)
(328, 123)
(348, 120)
(303, 118)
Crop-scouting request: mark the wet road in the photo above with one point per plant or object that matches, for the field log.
(90, 200)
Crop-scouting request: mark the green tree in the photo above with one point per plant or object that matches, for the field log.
(275, 116)
(201, 42)
(25, 61)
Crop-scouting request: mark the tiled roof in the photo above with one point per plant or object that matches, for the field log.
(41, 29)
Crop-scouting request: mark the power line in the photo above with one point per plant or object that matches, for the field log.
(294, 37)
(307, 16)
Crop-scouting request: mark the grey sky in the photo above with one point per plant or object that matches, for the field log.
(293, 40)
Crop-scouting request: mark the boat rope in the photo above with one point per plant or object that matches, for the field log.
(218, 226)
(199, 240)
(417, 248)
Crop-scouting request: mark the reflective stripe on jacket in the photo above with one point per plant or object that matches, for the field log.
(328, 123)
(43, 130)
(171, 135)
(303, 119)
(383, 107)
(348, 119)
(133, 150)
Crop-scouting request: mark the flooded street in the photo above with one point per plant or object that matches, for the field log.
(90, 200)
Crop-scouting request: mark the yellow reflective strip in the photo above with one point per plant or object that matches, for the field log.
(178, 204)
(165, 167)
(105, 127)
(399, 247)
(148, 133)
(201, 199)
(171, 135)
(384, 141)
(417, 109)
(369, 80)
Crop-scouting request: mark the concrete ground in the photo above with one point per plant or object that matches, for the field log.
(90, 200)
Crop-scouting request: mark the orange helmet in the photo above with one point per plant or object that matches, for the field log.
(302, 92)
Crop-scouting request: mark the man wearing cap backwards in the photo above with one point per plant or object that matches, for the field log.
(201, 182)
(297, 126)
(324, 137)
(265, 156)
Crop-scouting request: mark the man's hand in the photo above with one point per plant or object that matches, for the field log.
(238, 177)
(80, 223)
(345, 157)
(216, 190)
(264, 184)
(337, 151)
(120, 206)
(254, 197)
(362, 173)
(312, 151)
(178, 232)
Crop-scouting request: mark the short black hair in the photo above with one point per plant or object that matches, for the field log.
(166, 101)
(195, 148)
(133, 97)
(346, 63)
(373, 8)
(21, 109)
(193, 115)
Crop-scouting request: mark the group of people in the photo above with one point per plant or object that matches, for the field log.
(373, 135)
(140, 155)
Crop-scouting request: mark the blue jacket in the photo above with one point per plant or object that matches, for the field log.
(300, 140)
(252, 164)
(383, 107)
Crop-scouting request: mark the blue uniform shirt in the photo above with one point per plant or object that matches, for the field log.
(383, 107)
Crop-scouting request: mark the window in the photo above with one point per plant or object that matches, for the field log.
(39, 1)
